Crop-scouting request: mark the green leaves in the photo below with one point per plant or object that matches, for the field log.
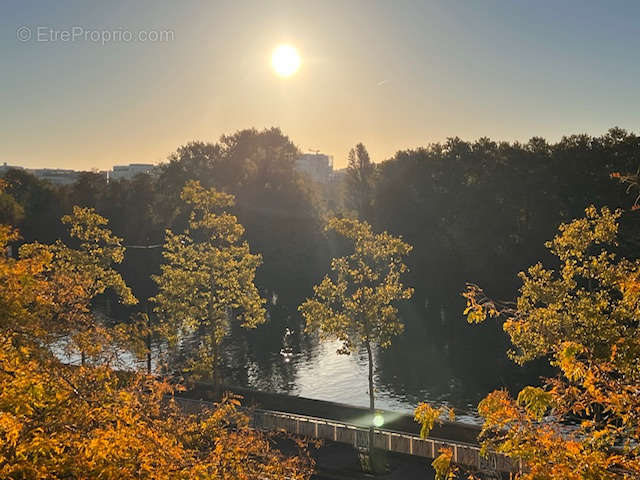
(356, 303)
(99, 250)
(207, 279)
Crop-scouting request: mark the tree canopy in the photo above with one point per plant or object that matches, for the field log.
(357, 303)
(207, 280)
(585, 422)
(61, 421)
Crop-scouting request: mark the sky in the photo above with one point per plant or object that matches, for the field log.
(393, 75)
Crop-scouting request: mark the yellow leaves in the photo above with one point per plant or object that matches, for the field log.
(10, 428)
(479, 307)
(595, 228)
(74, 277)
(205, 213)
(568, 363)
(443, 467)
(63, 422)
(427, 416)
(8, 234)
(583, 319)
(94, 425)
(536, 401)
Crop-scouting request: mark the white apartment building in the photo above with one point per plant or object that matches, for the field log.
(129, 171)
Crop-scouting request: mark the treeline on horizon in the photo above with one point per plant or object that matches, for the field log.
(473, 211)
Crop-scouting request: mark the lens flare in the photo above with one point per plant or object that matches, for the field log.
(378, 420)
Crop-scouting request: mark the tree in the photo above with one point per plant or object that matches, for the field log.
(360, 182)
(358, 305)
(11, 211)
(78, 276)
(583, 317)
(271, 202)
(207, 280)
(61, 422)
(41, 203)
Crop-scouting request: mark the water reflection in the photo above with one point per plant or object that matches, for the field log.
(439, 358)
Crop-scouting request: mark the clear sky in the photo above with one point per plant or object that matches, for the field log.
(392, 74)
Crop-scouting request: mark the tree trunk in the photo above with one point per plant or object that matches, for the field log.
(83, 358)
(216, 374)
(371, 454)
(371, 396)
(148, 339)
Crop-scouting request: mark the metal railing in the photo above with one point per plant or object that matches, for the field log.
(463, 454)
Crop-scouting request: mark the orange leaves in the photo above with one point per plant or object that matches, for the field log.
(58, 421)
(88, 423)
(583, 319)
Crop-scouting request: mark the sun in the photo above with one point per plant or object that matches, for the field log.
(285, 60)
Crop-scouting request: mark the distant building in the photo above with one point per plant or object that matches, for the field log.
(127, 172)
(56, 176)
(317, 166)
(59, 176)
(4, 168)
(339, 175)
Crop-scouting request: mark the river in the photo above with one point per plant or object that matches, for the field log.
(439, 358)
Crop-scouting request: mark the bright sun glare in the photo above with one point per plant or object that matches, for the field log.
(285, 60)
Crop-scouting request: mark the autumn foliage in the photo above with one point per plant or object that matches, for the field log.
(89, 422)
(64, 422)
(583, 317)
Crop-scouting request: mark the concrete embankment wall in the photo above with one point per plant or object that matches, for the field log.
(399, 422)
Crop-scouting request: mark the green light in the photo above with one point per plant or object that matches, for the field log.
(378, 420)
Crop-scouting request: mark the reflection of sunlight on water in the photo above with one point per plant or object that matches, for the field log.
(329, 376)
(118, 358)
(340, 378)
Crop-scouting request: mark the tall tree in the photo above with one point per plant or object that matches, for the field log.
(357, 303)
(207, 280)
(279, 216)
(360, 182)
